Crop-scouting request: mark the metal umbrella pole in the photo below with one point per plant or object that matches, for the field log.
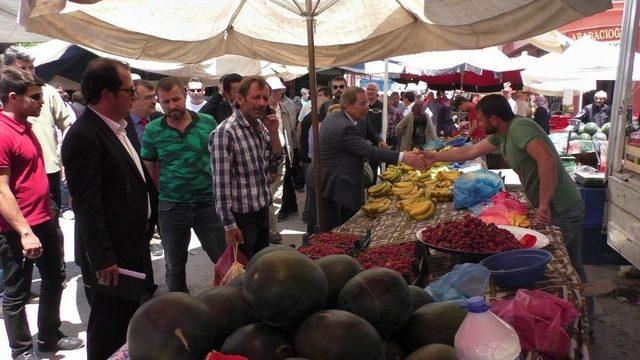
(313, 89)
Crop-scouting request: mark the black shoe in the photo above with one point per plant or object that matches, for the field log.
(62, 344)
(156, 249)
(282, 215)
(29, 355)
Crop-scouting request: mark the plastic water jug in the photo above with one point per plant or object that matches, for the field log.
(484, 336)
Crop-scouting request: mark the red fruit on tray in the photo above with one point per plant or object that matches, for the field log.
(528, 240)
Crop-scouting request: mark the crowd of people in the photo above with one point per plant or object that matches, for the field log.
(142, 164)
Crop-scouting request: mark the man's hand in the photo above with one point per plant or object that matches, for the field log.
(428, 158)
(108, 276)
(31, 246)
(272, 123)
(543, 215)
(414, 159)
(233, 237)
(383, 145)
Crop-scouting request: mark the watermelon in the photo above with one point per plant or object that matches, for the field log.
(581, 129)
(284, 288)
(230, 311)
(584, 136)
(338, 269)
(600, 136)
(605, 128)
(591, 128)
(259, 341)
(574, 136)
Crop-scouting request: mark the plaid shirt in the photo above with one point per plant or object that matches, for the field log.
(393, 119)
(240, 162)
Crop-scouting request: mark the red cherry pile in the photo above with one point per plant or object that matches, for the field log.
(325, 244)
(471, 235)
(399, 257)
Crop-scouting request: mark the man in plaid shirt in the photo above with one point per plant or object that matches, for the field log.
(245, 153)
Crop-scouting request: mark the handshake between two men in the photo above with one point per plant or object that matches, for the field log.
(418, 159)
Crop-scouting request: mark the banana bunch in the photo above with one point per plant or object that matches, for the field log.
(421, 210)
(392, 174)
(412, 198)
(376, 206)
(403, 188)
(380, 189)
(442, 195)
(411, 176)
(405, 168)
(448, 175)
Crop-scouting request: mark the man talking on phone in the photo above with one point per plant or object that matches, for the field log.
(245, 149)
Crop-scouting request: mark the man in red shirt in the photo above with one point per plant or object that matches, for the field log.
(27, 233)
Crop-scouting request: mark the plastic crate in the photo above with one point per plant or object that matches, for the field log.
(595, 249)
(594, 200)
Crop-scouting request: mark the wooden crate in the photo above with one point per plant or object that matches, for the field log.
(633, 151)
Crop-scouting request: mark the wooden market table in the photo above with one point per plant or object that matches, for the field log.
(561, 279)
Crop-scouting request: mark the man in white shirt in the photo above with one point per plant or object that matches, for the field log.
(196, 99)
(507, 95)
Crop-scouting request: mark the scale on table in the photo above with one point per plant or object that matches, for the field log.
(588, 177)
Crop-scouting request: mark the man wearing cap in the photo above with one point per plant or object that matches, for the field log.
(282, 187)
(597, 112)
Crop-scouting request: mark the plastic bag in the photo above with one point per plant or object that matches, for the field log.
(229, 266)
(540, 320)
(436, 144)
(214, 355)
(474, 187)
(505, 209)
(464, 281)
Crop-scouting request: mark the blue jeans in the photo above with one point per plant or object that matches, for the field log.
(175, 221)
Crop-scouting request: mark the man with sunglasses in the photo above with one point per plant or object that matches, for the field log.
(28, 235)
(196, 98)
(115, 203)
(338, 86)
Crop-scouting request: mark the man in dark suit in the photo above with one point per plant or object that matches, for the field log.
(342, 154)
(221, 107)
(114, 199)
(142, 112)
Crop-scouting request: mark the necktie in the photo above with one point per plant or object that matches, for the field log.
(144, 122)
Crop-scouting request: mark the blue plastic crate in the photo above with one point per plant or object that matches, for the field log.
(594, 200)
(595, 249)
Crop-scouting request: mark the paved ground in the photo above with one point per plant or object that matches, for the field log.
(618, 324)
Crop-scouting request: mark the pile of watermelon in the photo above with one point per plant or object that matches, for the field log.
(591, 131)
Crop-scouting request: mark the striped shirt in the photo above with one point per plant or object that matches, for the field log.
(241, 161)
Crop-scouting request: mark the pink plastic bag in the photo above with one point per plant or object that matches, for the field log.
(505, 209)
(540, 320)
(229, 265)
(214, 355)
(511, 202)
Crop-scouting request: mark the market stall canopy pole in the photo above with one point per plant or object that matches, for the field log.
(313, 87)
(346, 32)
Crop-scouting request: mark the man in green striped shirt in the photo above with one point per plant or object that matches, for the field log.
(178, 142)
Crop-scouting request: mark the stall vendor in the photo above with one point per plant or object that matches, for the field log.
(597, 112)
(531, 154)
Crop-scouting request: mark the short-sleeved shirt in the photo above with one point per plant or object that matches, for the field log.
(479, 133)
(183, 158)
(20, 152)
(513, 148)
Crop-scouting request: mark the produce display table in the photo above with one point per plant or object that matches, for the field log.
(561, 279)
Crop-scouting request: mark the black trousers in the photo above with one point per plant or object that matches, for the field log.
(334, 213)
(19, 272)
(289, 199)
(255, 230)
(108, 323)
(56, 204)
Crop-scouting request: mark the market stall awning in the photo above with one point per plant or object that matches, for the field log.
(59, 58)
(585, 59)
(346, 32)
(10, 30)
(480, 70)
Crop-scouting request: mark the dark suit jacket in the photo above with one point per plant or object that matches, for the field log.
(342, 154)
(132, 134)
(109, 198)
(217, 107)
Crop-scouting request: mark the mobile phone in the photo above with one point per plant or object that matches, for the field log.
(269, 110)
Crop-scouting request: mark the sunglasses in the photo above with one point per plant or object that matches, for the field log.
(195, 90)
(338, 86)
(131, 91)
(36, 97)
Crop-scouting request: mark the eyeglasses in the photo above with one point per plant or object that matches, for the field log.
(131, 91)
(36, 97)
(195, 90)
(149, 97)
(341, 86)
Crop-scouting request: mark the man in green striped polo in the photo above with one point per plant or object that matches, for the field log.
(178, 143)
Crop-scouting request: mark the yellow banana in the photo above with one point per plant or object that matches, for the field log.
(426, 215)
(422, 208)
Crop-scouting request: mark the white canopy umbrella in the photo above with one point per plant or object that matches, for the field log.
(335, 32)
(346, 32)
(10, 30)
(208, 71)
(585, 59)
(433, 63)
